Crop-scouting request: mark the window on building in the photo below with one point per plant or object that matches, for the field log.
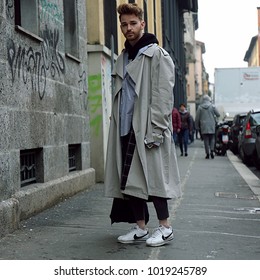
(154, 17)
(31, 166)
(74, 157)
(131, 1)
(188, 90)
(26, 15)
(145, 16)
(71, 28)
(110, 24)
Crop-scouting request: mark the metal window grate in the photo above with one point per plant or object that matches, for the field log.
(28, 167)
(72, 158)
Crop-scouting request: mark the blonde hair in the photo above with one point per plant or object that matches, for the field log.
(130, 9)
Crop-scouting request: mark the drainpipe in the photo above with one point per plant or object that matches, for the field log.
(258, 37)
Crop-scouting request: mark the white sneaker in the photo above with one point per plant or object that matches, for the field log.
(160, 236)
(136, 234)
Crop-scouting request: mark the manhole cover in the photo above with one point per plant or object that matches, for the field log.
(235, 195)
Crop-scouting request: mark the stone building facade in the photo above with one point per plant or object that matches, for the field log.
(44, 128)
(191, 25)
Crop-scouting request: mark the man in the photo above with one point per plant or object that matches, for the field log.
(205, 121)
(141, 160)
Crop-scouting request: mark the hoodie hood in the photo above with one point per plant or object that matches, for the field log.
(183, 112)
(206, 102)
(145, 40)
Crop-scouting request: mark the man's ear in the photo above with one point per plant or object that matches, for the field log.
(143, 24)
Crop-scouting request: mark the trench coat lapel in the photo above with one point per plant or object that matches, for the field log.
(132, 66)
(138, 64)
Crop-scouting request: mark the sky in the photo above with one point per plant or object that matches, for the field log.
(226, 27)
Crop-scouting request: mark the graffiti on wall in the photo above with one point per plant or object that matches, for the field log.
(106, 87)
(33, 66)
(9, 8)
(50, 11)
(83, 88)
(27, 64)
(99, 86)
(52, 58)
(95, 102)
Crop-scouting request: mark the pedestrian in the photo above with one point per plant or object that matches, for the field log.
(192, 132)
(141, 163)
(205, 121)
(186, 129)
(176, 124)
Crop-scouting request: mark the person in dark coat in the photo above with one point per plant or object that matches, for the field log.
(192, 133)
(176, 124)
(186, 129)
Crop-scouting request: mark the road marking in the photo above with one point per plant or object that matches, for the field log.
(200, 215)
(221, 233)
(156, 251)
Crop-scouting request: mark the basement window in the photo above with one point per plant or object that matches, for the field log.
(30, 162)
(74, 157)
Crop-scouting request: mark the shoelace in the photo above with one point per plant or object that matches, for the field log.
(134, 228)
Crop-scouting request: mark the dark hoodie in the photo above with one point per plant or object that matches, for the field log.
(145, 40)
(185, 120)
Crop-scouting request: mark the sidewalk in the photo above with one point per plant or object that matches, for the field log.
(217, 218)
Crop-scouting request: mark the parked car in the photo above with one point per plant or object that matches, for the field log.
(257, 147)
(235, 130)
(247, 137)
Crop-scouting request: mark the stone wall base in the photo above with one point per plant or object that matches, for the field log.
(35, 198)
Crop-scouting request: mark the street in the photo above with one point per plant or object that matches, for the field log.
(217, 218)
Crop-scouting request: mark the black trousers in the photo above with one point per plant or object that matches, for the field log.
(138, 207)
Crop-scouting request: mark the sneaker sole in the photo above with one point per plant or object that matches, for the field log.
(161, 243)
(132, 241)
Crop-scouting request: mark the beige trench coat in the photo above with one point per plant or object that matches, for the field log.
(153, 172)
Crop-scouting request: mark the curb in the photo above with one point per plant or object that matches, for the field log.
(251, 179)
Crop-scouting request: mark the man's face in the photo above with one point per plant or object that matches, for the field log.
(132, 28)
